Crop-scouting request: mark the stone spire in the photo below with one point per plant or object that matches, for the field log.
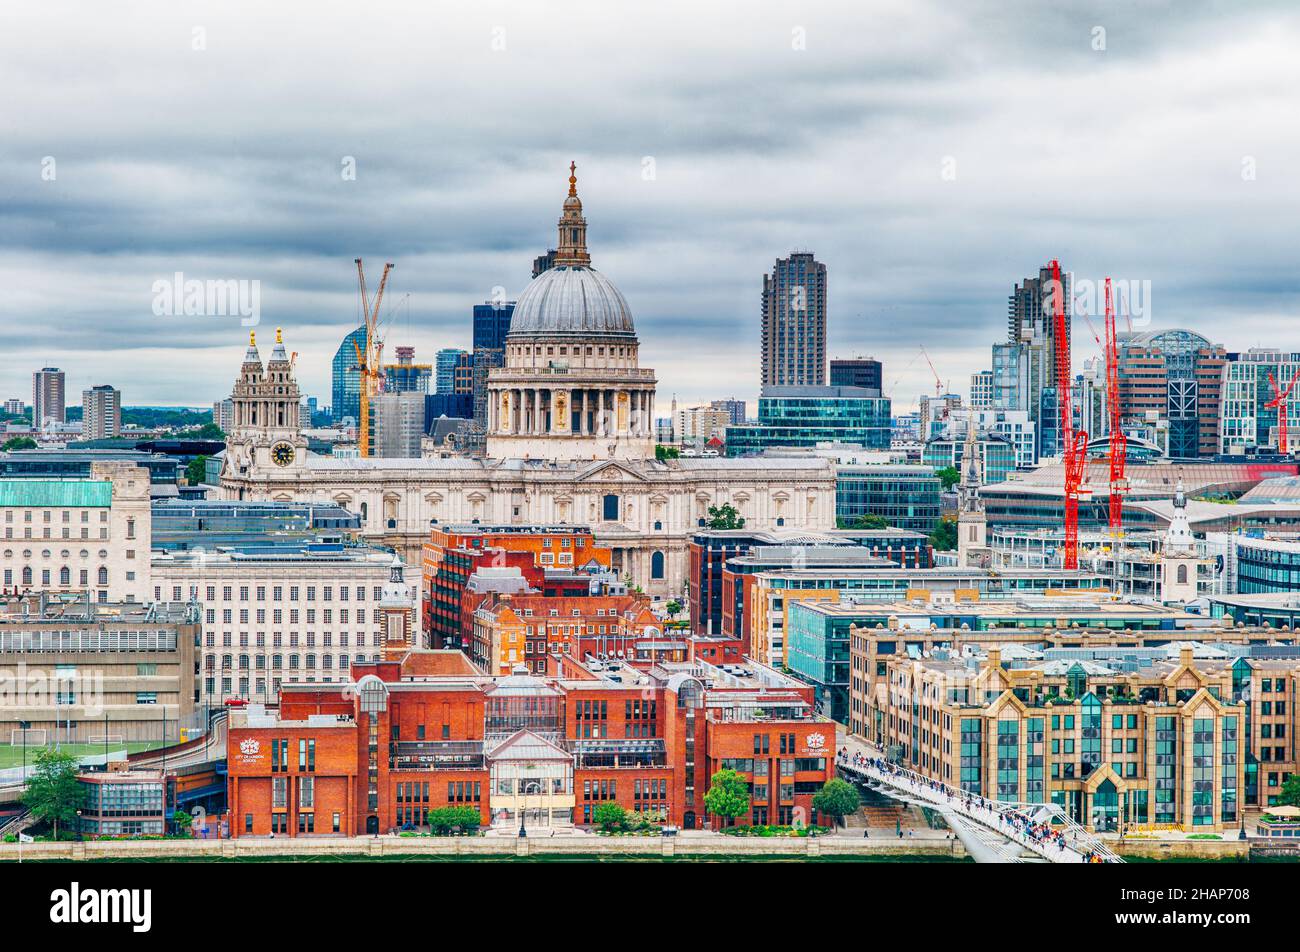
(571, 251)
(969, 487)
(1179, 539)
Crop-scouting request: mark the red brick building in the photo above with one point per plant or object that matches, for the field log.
(454, 553)
(428, 730)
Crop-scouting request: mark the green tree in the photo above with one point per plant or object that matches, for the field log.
(868, 520)
(1289, 795)
(181, 822)
(674, 608)
(194, 470)
(666, 453)
(209, 431)
(837, 798)
(444, 821)
(948, 476)
(20, 443)
(609, 816)
(54, 794)
(728, 795)
(944, 536)
(725, 516)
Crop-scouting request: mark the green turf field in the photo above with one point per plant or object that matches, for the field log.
(12, 756)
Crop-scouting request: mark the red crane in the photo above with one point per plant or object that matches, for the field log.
(1279, 403)
(1074, 443)
(1118, 444)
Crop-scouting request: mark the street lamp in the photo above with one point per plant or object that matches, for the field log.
(24, 727)
(523, 807)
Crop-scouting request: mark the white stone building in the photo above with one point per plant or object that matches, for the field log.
(570, 440)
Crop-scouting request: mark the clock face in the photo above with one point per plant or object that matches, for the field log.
(282, 454)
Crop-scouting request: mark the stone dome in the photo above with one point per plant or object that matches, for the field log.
(569, 299)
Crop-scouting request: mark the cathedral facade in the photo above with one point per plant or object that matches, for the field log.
(570, 441)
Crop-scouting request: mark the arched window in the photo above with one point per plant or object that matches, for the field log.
(658, 526)
(364, 511)
(611, 508)
(657, 565)
(103, 575)
(780, 520)
(27, 575)
(65, 577)
(1182, 574)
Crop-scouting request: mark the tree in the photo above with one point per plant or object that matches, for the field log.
(194, 470)
(210, 431)
(868, 520)
(944, 536)
(837, 798)
(725, 516)
(948, 476)
(663, 453)
(444, 821)
(54, 794)
(609, 816)
(20, 443)
(674, 608)
(1289, 795)
(728, 794)
(181, 822)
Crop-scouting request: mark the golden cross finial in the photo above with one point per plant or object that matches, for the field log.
(573, 178)
(252, 338)
(279, 339)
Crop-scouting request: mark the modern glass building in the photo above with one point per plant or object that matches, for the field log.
(907, 497)
(806, 416)
(817, 651)
(997, 456)
(346, 376)
(444, 372)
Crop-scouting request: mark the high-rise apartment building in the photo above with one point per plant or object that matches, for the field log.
(223, 414)
(858, 372)
(735, 409)
(47, 397)
(794, 323)
(101, 413)
(346, 376)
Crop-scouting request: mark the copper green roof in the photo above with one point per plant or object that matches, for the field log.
(55, 493)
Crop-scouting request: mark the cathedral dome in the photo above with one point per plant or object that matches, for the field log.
(570, 299)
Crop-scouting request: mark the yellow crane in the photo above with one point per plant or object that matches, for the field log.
(369, 360)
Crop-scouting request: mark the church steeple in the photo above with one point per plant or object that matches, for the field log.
(571, 250)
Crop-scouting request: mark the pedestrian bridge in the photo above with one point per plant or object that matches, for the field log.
(993, 831)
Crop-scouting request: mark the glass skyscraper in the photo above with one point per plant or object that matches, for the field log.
(806, 416)
(346, 376)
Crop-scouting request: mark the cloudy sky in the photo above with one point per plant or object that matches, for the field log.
(931, 154)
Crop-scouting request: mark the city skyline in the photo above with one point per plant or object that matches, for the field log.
(919, 192)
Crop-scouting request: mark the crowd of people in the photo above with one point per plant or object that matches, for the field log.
(1009, 819)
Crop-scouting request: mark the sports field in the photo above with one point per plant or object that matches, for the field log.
(11, 755)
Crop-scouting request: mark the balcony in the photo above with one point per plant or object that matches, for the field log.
(620, 754)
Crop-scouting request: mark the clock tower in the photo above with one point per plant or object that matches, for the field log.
(265, 434)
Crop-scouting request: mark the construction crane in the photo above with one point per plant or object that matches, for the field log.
(1118, 444)
(370, 359)
(1278, 403)
(938, 383)
(1074, 444)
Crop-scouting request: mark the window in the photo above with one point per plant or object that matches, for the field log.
(657, 565)
(611, 508)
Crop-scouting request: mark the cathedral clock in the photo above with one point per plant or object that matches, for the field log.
(282, 454)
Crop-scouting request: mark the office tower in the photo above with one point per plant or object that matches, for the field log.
(794, 323)
(981, 390)
(398, 424)
(101, 413)
(544, 262)
(858, 372)
(1031, 324)
(806, 416)
(491, 325)
(47, 397)
(406, 376)
(444, 366)
(346, 380)
(735, 409)
(1174, 376)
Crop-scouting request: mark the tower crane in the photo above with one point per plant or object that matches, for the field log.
(1118, 443)
(938, 382)
(369, 359)
(1074, 443)
(1279, 403)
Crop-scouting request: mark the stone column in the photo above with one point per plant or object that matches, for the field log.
(582, 413)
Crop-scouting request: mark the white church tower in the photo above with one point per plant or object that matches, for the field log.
(1178, 558)
(972, 523)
